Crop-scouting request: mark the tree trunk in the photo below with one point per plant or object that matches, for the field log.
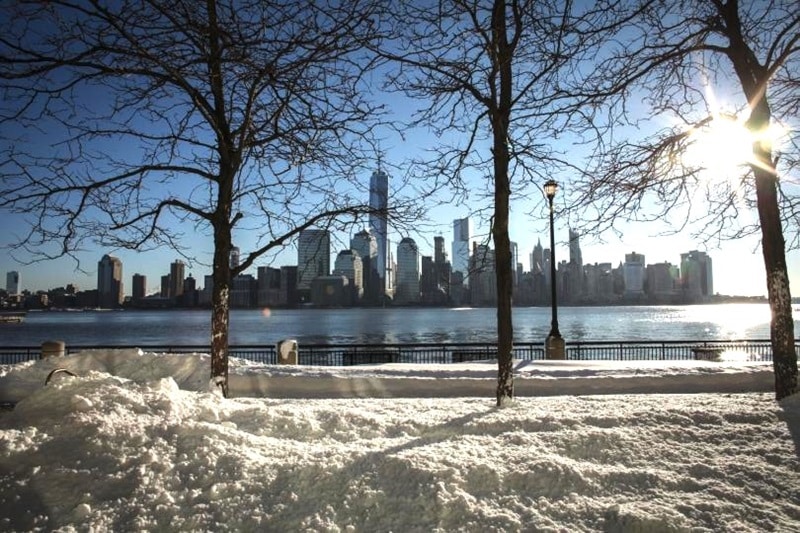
(502, 192)
(220, 308)
(784, 356)
(754, 78)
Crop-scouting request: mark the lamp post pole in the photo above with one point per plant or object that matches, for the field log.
(554, 347)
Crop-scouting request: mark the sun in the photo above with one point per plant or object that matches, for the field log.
(722, 145)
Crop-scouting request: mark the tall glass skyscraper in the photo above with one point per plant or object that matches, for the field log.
(12, 282)
(109, 282)
(313, 256)
(407, 272)
(378, 223)
(462, 233)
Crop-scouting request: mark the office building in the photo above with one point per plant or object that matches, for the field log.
(462, 235)
(697, 277)
(366, 246)
(176, 276)
(634, 274)
(378, 224)
(313, 257)
(109, 282)
(348, 264)
(244, 289)
(482, 278)
(269, 287)
(165, 286)
(660, 283)
(234, 259)
(574, 280)
(537, 258)
(12, 282)
(407, 291)
(139, 287)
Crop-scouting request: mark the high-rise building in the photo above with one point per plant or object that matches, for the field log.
(439, 255)
(547, 259)
(234, 257)
(482, 279)
(176, 276)
(407, 272)
(634, 274)
(348, 263)
(537, 258)
(697, 277)
(139, 287)
(313, 256)
(244, 291)
(109, 282)
(378, 223)
(574, 287)
(269, 287)
(12, 282)
(366, 246)
(575, 255)
(661, 280)
(515, 273)
(165, 286)
(462, 234)
(190, 295)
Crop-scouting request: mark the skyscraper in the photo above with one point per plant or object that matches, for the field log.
(407, 272)
(234, 257)
(697, 277)
(348, 263)
(139, 287)
(537, 258)
(575, 255)
(379, 200)
(176, 277)
(313, 256)
(109, 282)
(366, 246)
(462, 233)
(634, 274)
(12, 282)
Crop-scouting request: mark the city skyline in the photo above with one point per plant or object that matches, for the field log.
(565, 253)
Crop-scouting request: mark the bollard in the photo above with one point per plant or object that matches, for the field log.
(287, 352)
(554, 348)
(53, 349)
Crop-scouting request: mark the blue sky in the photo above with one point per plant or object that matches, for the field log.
(738, 265)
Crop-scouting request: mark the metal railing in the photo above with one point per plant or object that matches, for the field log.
(355, 354)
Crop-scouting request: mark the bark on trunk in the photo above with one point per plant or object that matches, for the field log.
(220, 310)
(784, 356)
(502, 192)
(754, 78)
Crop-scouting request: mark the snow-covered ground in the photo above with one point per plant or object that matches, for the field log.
(134, 442)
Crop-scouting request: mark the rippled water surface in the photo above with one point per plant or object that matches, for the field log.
(392, 325)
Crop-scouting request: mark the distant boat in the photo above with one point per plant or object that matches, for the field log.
(12, 317)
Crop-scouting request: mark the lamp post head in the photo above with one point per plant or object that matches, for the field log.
(550, 188)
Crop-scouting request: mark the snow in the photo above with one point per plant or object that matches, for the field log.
(138, 441)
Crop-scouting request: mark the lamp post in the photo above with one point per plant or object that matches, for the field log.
(554, 344)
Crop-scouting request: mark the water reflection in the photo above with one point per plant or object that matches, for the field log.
(392, 325)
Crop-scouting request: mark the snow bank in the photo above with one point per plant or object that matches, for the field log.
(127, 446)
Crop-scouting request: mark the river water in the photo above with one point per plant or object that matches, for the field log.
(391, 325)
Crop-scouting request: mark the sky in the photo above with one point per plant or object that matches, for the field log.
(134, 441)
(738, 265)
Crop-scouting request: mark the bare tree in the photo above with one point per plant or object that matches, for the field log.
(122, 118)
(490, 74)
(658, 64)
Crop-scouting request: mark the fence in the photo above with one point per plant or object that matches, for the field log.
(354, 354)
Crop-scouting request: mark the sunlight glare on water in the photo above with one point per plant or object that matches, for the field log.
(732, 321)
